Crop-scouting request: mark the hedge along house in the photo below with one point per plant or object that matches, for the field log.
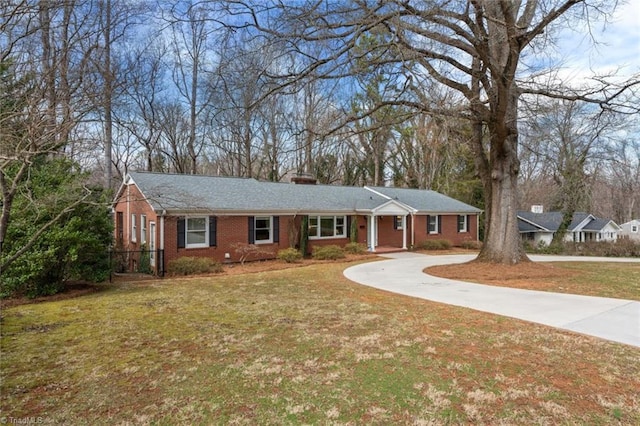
(207, 216)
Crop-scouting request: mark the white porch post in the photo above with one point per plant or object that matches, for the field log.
(413, 230)
(404, 232)
(373, 223)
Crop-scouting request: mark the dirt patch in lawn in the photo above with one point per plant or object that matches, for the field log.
(527, 275)
(71, 290)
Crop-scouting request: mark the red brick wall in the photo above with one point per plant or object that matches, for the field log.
(449, 230)
(231, 230)
(390, 237)
(129, 203)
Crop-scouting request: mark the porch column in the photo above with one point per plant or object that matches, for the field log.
(413, 230)
(404, 232)
(373, 223)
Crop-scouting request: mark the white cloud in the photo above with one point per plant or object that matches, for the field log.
(616, 47)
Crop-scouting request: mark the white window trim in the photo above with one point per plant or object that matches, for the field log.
(255, 230)
(634, 229)
(143, 229)
(437, 223)
(206, 232)
(465, 228)
(134, 228)
(335, 235)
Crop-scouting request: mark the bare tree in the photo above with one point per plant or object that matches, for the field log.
(572, 140)
(46, 52)
(476, 48)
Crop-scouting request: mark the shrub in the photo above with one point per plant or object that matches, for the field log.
(435, 245)
(290, 255)
(355, 248)
(193, 265)
(471, 244)
(331, 252)
(61, 233)
(251, 250)
(620, 248)
(145, 260)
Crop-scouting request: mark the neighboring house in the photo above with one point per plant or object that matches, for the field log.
(540, 227)
(631, 230)
(192, 215)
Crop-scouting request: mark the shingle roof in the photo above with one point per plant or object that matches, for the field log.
(183, 193)
(426, 201)
(551, 221)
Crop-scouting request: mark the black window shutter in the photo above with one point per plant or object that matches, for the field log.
(252, 230)
(348, 230)
(428, 221)
(276, 229)
(213, 222)
(439, 224)
(181, 232)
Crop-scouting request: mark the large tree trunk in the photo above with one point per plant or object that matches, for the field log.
(502, 241)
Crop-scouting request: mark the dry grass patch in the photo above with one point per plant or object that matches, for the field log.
(301, 345)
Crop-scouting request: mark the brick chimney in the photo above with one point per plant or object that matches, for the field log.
(303, 179)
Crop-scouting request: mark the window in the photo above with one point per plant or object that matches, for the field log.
(462, 223)
(196, 232)
(433, 224)
(263, 227)
(134, 229)
(120, 226)
(327, 227)
(143, 229)
(397, 222)
(634, 229)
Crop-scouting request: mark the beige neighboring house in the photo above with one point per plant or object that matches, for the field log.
(631, 230)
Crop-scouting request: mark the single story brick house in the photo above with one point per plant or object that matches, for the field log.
(209, 216)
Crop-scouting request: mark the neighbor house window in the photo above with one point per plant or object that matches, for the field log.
(462, 223)
(197, 232)
(134, 229)
(143, 229)
(433, 224)
(327, 226)
(263, 229)
(397, 222)
(634, 229)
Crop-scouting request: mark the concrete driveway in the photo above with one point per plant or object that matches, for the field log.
(617, 320)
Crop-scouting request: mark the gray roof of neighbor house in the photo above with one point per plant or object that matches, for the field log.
(550, 221)
(192, 193)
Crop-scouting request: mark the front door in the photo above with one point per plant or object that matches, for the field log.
(152, 243)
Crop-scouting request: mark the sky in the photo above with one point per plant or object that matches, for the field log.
(617, 45)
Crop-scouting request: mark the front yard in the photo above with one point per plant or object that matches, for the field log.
(300, 345)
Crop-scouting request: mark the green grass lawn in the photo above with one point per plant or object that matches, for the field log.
(298, 346)
(619, 280)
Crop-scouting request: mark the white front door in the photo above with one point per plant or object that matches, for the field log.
(152, 243)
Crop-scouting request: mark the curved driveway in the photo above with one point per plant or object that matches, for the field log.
(617, 320)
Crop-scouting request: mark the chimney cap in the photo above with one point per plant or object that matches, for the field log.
(303, 179)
